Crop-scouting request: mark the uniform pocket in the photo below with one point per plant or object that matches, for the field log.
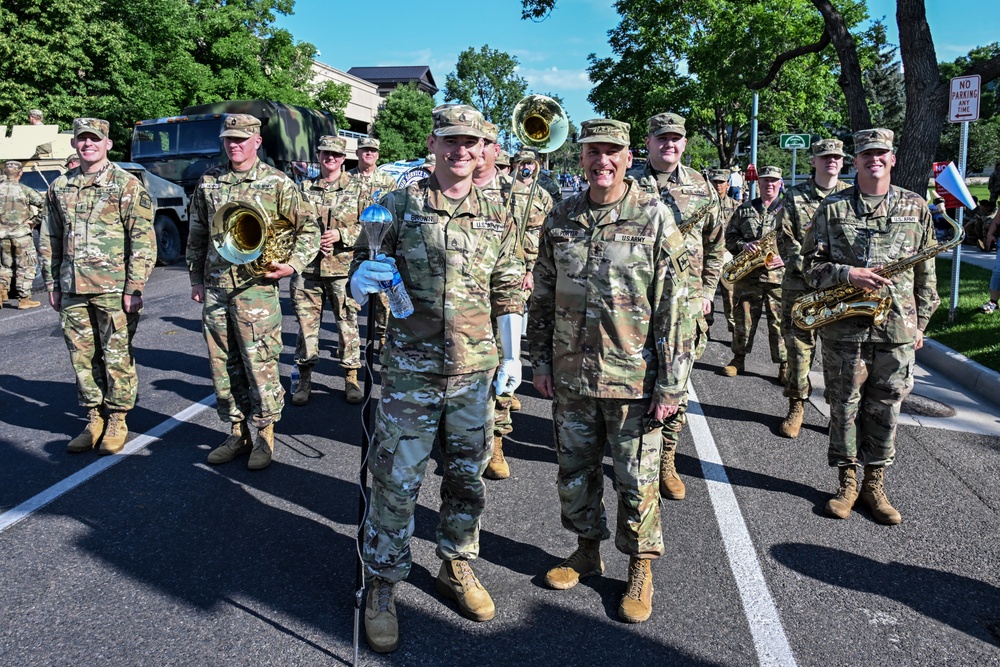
(387, 436)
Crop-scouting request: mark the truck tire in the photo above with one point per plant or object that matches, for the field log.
(168, 240)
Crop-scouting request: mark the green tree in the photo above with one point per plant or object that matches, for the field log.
(487, 79)
(403, 124)
(333, 97)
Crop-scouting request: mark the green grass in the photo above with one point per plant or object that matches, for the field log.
(974, 334)
(980, 191)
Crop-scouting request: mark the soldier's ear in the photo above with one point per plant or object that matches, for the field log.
(110, 143)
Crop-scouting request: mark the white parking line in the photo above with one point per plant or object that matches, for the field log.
(765, 624)
(35, 503)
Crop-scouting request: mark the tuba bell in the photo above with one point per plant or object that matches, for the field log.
(250, 238)
(540, 123)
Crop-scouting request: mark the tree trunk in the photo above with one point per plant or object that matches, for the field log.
(926, 98)
(850, 80)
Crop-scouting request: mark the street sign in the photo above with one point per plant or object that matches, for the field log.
(950, 201)
(795, 141)
(963, 102)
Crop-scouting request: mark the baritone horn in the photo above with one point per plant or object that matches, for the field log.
(540, 123)
(250, 238)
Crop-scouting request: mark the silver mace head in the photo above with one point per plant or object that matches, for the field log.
(375, 220)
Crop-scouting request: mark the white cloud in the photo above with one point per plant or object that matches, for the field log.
(553, 78)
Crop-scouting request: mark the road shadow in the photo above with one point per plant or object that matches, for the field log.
(967, 605)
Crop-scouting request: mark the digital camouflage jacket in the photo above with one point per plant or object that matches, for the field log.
(336, 205)
(796, 214)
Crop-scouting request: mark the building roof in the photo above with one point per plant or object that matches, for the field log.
(380, 75)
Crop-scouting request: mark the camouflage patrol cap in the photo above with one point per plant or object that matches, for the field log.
(526, 155)
(333, 144)
(875, 138)
(770, 171)
(828, 147)
(36, 113)
(95, 126)
(662, 123)
(604, 130)
(457, 119)
(719, 175)
(503, 160)
(72, 159)
(491, 131)
(369, 142)
(240, 126)
(12, 165)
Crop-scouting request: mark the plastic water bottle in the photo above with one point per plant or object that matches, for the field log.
(295, 378)
(399, 300)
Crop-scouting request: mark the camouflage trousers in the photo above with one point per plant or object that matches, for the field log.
(801, 347)
(673, 425)
(727, 306)
(99, 335)
(866, 384)
(243, 332)
(415, 408)
(750, 298)
(583, 426)
(18, 260)
(309, 295)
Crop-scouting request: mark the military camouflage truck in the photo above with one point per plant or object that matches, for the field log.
(41, 149)
(182, 148)
(170, 212)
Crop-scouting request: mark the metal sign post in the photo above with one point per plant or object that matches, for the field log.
(753, 145)
(963, 107)
(795, 142)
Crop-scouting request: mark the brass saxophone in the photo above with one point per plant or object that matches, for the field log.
(817, 309)
(695, 219)
(748, 261)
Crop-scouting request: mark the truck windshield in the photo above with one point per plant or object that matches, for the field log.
(178, 138)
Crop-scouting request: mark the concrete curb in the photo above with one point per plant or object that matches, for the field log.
(969, 374)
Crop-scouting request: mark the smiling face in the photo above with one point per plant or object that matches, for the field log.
(92, 150)
(604, 165)
(874, 169)
(488, 158)
(367, 157)
(770, 188)
(665, 150)
(456, 155)
(330, 164)
(242, 152)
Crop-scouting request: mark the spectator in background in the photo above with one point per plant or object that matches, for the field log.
(991, 237)
(736, 184)
(994, 183)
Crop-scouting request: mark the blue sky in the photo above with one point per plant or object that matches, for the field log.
(552, 53)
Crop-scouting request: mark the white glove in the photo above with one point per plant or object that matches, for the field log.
(509, 373)
(366, 279)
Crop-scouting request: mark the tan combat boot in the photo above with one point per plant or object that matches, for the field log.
(381, 626)
(115, 434)
(839, 507)
(793, 421)
(301, 395)
(671, 485)
(734, 367)
(263, 448)
(25, 302)
(637, 603)
(237, 444)
(873, 495)
(783, 373)
(582, 563)
(456, 581)
(352, 390)
(497, 468)
(3, 296)
(91, 435)
(515, 405)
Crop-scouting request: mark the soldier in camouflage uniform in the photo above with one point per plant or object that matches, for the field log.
(97, 250)
(21, 210)
(503, 162)
(695, 208)
(869, 369)
(761, 288)
(502, 189)
(727, 206)
(456, 250)
(524, 167)
(334, 198)
(241, 315)
(800, 204)
(374, 185)
(611, 286)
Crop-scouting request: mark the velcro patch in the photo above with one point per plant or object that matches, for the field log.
(411, 217)
(145, 201)
(262, 186)
(211, 186)
(492, 225)
(904, 218)
(634, 238)
(568, 233)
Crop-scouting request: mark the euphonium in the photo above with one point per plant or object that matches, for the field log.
(748, 261)
(818, 309)
(251, 239)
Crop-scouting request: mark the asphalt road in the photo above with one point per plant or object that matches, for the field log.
(164, 560)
